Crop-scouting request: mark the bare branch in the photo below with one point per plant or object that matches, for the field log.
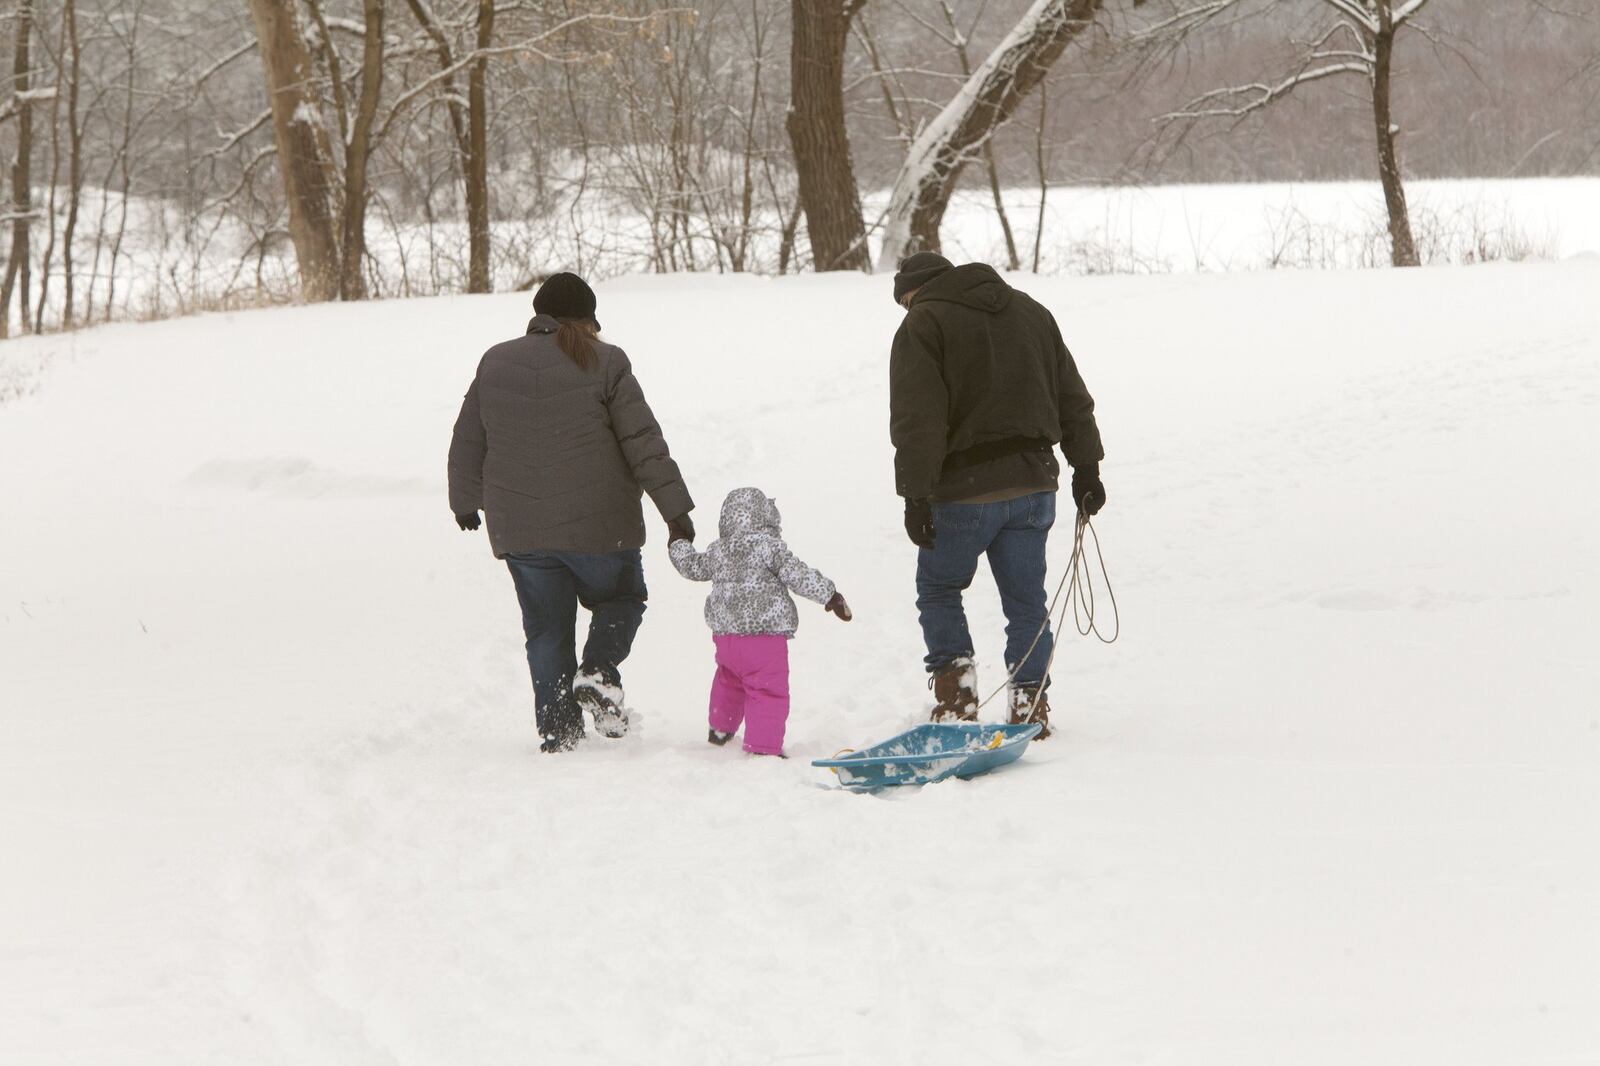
(1183, 22)
(1263, 95)
(215, 68)
(526, 46)
(231, 140)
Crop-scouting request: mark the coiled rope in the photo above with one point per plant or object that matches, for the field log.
(1078, 585)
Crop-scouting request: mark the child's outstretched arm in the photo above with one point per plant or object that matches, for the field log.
(696, 566)
(800, 578)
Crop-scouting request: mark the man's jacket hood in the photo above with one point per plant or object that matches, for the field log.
(974, 285)
(978, 375)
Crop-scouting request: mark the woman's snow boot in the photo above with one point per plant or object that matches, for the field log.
(565, 740)
(955, 692)
(603, 702)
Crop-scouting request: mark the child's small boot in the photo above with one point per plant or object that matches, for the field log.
(719, 739)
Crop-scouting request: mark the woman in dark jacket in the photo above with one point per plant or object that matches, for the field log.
(556, 445)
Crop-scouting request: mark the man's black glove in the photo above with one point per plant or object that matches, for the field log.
(468, 520)
(680, 528)
(919, 523)
(1087, 491)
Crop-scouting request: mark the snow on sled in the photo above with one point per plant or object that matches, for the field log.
(931, 753)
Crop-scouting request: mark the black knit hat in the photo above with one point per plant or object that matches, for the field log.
(564, 295)
(915, 272)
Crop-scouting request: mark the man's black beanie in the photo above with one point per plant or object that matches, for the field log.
(564, 295)
(917, 270)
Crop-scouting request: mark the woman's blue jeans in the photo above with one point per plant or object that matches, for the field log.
(550, 586)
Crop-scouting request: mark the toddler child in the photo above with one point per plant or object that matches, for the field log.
(752, 617)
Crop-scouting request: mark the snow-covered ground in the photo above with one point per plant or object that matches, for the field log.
(1319, 225)
(269, 790)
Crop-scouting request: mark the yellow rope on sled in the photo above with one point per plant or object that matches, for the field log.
(834, 770)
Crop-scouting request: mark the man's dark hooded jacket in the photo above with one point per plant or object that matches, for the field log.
(981, 386)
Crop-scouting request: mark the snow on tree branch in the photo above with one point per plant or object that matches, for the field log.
(1366, 17)
(958, 132)
(1405, 12)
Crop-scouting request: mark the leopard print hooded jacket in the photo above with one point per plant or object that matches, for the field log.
(751, 570)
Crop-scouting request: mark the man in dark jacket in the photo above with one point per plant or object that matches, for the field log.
(981, 390)
(556, 444)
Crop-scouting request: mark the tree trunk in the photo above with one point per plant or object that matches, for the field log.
(74, 162)
(460, 125)
(303, 157)
(353, 242)
(125, 169)
(1041, 160)
(957, 134)
(447, 87)
(47, 260)
(747, 183)
(993, 169)
(786, 241)
(817, 133)
(18, 265)
(1013, 262)
(1403, 248)
(478, 157)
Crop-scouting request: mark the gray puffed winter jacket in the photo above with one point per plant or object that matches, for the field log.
(751, 570)
(556, 455)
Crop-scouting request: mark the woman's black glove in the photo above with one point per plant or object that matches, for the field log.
(1087, 491)
(467, 521)
(680, 528)
(919, 523)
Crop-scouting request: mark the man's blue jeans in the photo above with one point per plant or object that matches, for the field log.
(550, 585)
(1013, 535)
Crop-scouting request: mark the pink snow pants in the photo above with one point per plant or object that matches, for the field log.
(752, 686)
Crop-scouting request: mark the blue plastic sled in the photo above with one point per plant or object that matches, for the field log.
(931, 753)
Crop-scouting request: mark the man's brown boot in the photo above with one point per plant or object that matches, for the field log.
(955, 692)
(1030, 705)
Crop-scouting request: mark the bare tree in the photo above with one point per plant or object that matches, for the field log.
(20, 109)
(357, 155)
(821, 141)
(439, 37)
(1041, 163)
(1359, 42)
(303, 153)
(477, 160)
(75, 156)
(958, 40)
(962, 129)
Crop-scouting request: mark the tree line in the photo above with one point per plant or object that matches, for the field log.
(169, 155)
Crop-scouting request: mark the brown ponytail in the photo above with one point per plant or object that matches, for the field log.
(576, 336)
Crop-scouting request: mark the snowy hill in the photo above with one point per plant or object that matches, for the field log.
(269, 790)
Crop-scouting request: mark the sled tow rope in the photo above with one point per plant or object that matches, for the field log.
(1078, 584)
